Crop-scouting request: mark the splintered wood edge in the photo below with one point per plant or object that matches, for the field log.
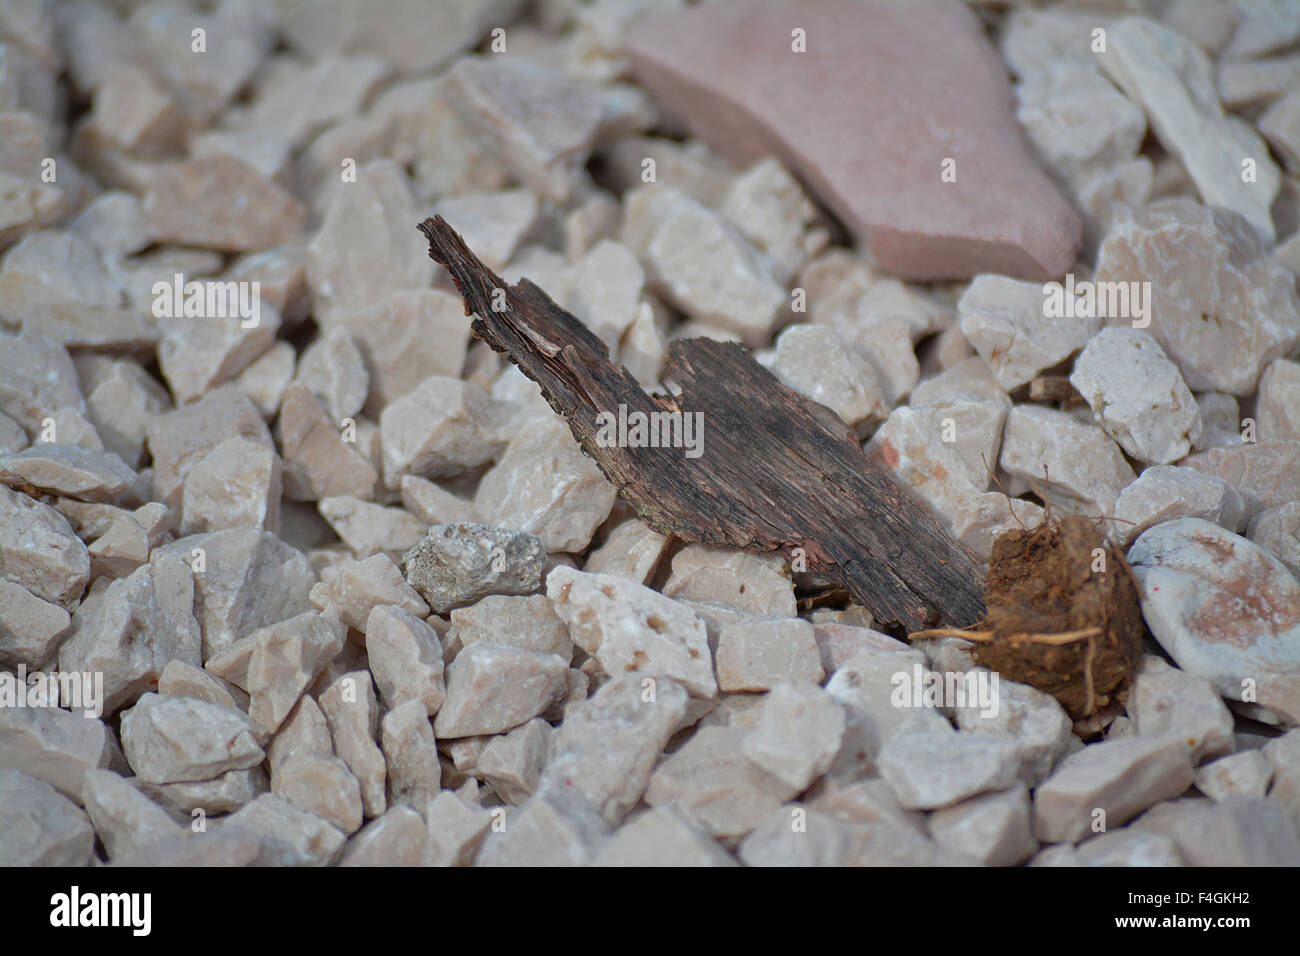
(886, 548)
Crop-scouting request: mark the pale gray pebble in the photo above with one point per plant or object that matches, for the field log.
(456, 564)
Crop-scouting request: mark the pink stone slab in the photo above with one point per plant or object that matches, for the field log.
(885, 92)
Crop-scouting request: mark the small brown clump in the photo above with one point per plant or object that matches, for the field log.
(1062, 616)
(1042, 582)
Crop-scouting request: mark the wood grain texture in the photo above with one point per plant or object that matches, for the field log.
(778, 472)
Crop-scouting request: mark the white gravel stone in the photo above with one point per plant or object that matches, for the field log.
(1084, 468)
(356, 259)
(321, 785)
(1224, 609)
(352, 712)
(68, 470)
(395, 839)
(557, 829)
(1277, 531)
(368, 528)
(286, 659)
(768, 206)
(492, 223)
(1165, 492)
(455, 830)
(393, 336)
(179, 679)
(980, 520)
(865, 686)
(817, 362)
(318, 463)
(1284, 755)
(512, 764)
(797, 836)
(122, 548)
(686, 247)
(1240, 831)
(1280, 124)
(541, 122)
(1120, 777)
(224, 794)
(304, 730)
(1279, 401)
(1221, 306)
(265, 379)
(1166, 700)
(130, 629)
(215, 848)
(756, 583)
(605, 290)
(527, 622)
(443, 427)
(995, 828)
(1032, 720)
(411, 754)
(195, 355)
(546, 485)
(1004, 320)
(593, 218)
(1127, 847)
(629, 627)
(405, 657)
(356, 588)
(289, 836)
(1247, 773)
(55, 746)
(250, 579)
(933, 770)
(39, 826)
(870, 800)
(38, 379)
(1137, 395)
(760, 654)
(433, 504)
(180, 439)
(333, 369)
(30, 628)
(492, 688)
(631, 550)
(1266, 475)
(39, 551)
(711, 783)
(661, 837)
(1077, 121)
(237, 484)
(179, 740)
(1245, 83)
(124, 818)
(943, 453)
(1173, 81)
(798, 734)
(837, 642)
(607, 746)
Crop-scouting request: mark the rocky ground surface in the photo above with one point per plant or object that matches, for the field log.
(356, 596)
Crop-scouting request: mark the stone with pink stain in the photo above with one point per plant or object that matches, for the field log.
(1225, 609)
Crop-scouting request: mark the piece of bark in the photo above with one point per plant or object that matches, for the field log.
(778, 472)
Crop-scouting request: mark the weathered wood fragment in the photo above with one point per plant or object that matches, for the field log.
(777, 472)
